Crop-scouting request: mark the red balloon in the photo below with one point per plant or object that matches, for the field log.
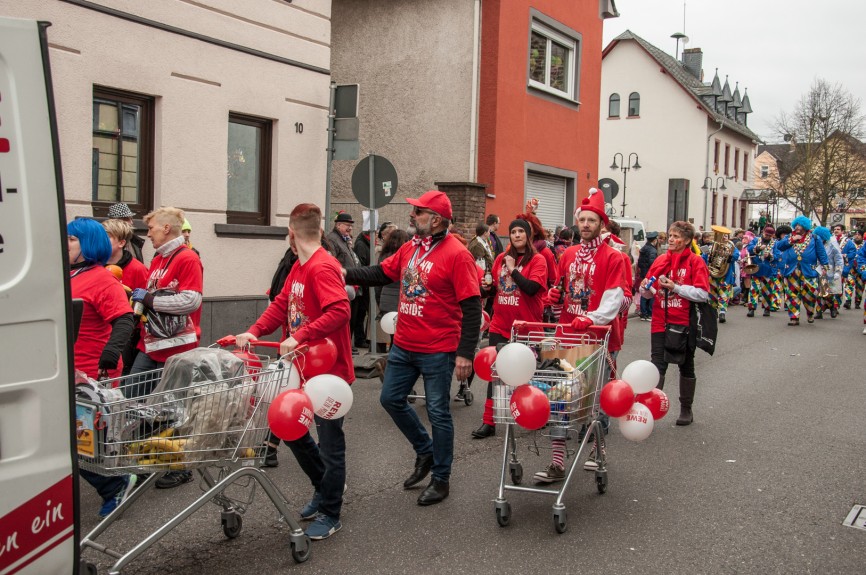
(290, 415)
(319, 359)
(485, 321)
(483, 363)
(616, 398)
(529, 407)
(657, 402)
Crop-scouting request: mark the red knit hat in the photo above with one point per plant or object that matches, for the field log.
(593, 203)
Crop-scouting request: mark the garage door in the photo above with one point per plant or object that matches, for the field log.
(550, 191)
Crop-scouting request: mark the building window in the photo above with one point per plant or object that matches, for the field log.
(716, 158)
(249, 170)
(736, 164)
(715, 207)
(553, 57)
(765, 171)
(613, 106)
(634, 104)
(745, 166)
(727, 160)
(122, 152)
(724, 210)
(734, 212)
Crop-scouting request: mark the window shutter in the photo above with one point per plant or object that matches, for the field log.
(550, 191)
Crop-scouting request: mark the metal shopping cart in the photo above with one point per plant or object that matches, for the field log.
(574, 408)
(215, 423)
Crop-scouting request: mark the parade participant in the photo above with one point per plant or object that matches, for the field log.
(174, 286)
(341, 239)
(849, 252)
(855, 285)
(186, 231)
(612, 239)
(315, 303)
(593, 283)
(764, 279)
(134, 275)
(520, 276)
(648, 254)
(800, 252)
(438, 322)
(562, 243)
(682, 278)
(860, 271)
(721, 286)
(479, 247)
(831, 276)
(778, 292)
(105, 327)
(121, 211)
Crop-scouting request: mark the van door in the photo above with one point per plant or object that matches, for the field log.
(39, 503)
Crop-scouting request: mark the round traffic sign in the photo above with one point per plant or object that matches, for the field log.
(384, 182)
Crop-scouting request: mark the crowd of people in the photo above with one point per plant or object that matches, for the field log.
(439, 284)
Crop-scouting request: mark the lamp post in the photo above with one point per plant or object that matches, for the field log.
(709, 186)
(624, 169)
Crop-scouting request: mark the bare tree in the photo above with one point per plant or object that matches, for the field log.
(824, 168)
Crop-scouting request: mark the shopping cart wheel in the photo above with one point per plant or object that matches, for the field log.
(601, 481)
(560, 520)
(516, 470)
(503, 514)
(87, 568)
(301, 555)
(232, 523)
(468, 398)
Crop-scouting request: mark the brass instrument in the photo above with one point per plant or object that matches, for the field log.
(719, 258)
(750, 267)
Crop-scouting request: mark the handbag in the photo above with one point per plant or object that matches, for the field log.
(676, 339)
(703, 320)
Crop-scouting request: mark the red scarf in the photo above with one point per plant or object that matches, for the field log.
(587, 250)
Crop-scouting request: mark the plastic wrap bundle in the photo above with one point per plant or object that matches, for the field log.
(209, 392)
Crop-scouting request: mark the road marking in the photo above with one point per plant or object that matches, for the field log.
(856, 518)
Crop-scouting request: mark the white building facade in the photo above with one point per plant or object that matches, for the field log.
(684, 134)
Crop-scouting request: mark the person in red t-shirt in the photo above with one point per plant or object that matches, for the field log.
(176, 269)
(315, 302)
(438, 322)
(120, 234)
(593, 280)
(520, 276)
(106, 324)
(682, 278)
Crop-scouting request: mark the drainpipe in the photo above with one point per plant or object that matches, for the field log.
(473, 110)
(707, 172)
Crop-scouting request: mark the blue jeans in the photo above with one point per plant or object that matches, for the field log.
(325, 463)
(401, 374)
(107, 486)
(143, 384)
(646, 307)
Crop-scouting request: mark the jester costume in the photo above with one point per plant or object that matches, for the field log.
(799, 259)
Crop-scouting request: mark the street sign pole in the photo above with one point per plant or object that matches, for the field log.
(372, 226)
(330, 151)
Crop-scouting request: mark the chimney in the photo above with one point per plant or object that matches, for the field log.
(693, 59)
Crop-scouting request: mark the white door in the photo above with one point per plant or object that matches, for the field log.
(550, 191)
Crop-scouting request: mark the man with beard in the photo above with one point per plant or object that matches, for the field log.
(763, 280)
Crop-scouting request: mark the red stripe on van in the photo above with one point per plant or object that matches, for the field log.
(4, 146)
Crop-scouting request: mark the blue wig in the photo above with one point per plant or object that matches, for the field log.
(803, 221)
(95, 245)
(822, 232)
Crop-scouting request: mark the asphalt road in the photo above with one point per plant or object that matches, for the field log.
(760, 483)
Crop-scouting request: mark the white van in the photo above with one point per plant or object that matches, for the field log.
(633, 234)
(39, 527)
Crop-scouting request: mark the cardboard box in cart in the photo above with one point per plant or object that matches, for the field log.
(38, 472)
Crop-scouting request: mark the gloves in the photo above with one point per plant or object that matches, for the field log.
(143, 296)
(554, 295)
(581, 323)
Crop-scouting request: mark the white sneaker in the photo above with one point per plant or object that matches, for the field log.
(864, 331)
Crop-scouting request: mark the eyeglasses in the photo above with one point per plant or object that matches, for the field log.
(418, 211)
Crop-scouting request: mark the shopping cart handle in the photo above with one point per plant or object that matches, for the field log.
(522, 326)
(231, 340)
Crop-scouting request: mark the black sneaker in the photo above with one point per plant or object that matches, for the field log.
(722, 317)
(270, 457)
(173, 479)
(766, 313)
(751, 313)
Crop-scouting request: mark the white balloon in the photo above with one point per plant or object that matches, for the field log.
(641, 375)
(637, 424)
(330, 395)
(515, 364)
(389, 322)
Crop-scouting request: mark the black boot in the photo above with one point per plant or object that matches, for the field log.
(661, 384)
(687, 395)
(423, 464)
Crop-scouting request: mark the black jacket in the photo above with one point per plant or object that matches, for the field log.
(362, 248)
(648, 254)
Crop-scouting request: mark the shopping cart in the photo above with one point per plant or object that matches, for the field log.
(216, 427)
(573, 408)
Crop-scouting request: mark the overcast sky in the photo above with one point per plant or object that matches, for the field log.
(775, 48)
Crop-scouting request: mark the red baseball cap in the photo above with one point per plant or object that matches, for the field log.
(433, 200)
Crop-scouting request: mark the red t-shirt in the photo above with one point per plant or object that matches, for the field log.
(551, 267)
(315, 302)
(510, 303)
(432, 286)
(585, 284)
(104, 301)
(688, 269)
(134, 274)
(183, 272)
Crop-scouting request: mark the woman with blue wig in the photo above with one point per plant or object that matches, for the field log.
(105, 327)
(801, 252)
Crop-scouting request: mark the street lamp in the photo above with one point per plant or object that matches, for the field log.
(624, 169)
(708, 186)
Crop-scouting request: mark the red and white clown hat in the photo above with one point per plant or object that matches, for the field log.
(593, 203)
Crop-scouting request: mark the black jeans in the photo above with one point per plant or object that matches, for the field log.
(324, 463)
(657, 356)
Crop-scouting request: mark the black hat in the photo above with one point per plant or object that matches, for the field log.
(120, 210)
(651, 236)
(521, 223)
(343, 217)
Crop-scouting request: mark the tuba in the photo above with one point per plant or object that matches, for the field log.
(719, 258)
